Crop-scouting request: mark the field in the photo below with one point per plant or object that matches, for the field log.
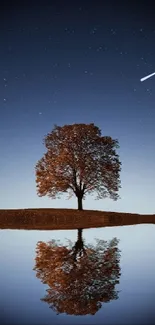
(50, 219)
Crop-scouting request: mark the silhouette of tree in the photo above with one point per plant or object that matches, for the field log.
(80, 278)
(79, 160)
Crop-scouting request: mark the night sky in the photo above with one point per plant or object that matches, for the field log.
(63, 63)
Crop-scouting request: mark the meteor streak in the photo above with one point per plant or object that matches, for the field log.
(149, 76)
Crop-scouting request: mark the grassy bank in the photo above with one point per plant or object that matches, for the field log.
(48, 219)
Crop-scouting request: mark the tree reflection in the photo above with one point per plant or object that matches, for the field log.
(80, 277)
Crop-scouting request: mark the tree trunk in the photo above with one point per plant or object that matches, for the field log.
(79, 237)
(80, 203)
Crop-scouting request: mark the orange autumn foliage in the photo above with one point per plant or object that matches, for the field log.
(79, 160)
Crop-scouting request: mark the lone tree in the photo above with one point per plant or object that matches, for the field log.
(79, 160)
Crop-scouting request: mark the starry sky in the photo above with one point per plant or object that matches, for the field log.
(63, 63)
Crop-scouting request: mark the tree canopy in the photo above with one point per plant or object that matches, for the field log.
(79, 160)
(81, 277)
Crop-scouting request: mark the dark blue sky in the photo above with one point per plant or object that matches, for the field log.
(77, 63)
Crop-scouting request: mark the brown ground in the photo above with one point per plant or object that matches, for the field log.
(48, 219)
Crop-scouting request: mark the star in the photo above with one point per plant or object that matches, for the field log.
(99, 48)
(113, 32)
(149, 91)
(93, 31)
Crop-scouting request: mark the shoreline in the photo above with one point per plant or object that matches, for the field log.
(61, 219)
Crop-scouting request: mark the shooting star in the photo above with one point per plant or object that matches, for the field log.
(149, 76)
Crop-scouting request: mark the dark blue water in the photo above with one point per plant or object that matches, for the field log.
(112, 282)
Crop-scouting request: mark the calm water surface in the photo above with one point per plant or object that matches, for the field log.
(79, 280)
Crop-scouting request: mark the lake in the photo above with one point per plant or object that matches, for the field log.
(92, 276)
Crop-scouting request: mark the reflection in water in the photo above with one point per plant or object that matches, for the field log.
(79, 277)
